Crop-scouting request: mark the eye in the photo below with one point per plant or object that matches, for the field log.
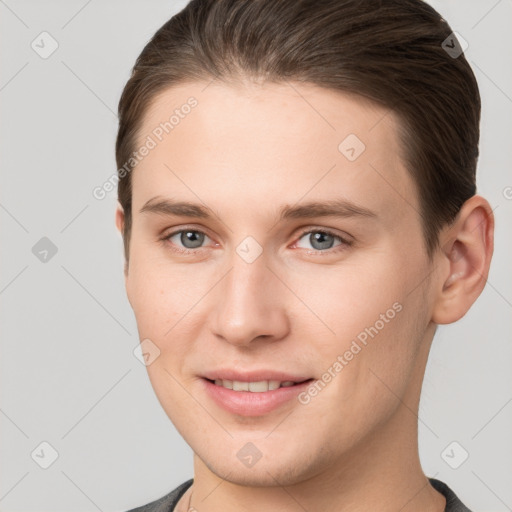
(322, 240)
(186, 240)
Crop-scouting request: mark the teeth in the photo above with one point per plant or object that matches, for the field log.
(273, 384)
(255, 387)
(240, 386)
(258, 387)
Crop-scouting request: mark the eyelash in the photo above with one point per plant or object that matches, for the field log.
(342, 246)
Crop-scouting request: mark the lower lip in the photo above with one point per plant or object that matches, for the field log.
(248, 403)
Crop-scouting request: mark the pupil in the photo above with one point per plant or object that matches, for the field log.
(192, 239)
(321, 240)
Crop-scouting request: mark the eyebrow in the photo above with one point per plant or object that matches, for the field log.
(177, 208)
(331, 208)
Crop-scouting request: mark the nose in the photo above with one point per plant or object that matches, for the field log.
(250, 305)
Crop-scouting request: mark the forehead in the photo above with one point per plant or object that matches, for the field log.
(272, 144)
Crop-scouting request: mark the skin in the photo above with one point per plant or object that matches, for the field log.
(245, 151)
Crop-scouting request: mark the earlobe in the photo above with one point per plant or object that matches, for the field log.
(467, 255)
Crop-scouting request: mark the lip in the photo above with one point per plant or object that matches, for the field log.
(251, 404)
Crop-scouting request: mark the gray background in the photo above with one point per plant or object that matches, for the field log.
(69, 376)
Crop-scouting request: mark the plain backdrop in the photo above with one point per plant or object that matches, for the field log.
(69, 377)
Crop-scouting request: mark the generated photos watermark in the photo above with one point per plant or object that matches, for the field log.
(151, 141)
(357, 344)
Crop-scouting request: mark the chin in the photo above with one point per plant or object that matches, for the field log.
(264, 475)
(278, 468)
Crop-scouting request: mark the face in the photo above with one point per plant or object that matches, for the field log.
(300, 259)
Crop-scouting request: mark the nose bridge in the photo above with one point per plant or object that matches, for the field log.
(248, 301)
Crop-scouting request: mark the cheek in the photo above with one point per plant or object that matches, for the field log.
(160, 293)
(347, 299)
(163, 297)
(370, 320)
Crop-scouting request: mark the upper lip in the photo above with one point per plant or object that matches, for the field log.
(254, 375)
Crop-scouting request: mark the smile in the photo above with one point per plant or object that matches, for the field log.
(252, 398)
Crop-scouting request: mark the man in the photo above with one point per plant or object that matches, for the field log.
(298, 207)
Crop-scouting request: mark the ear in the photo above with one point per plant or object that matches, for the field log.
(120, 228)
(467, 247)
(120, 218)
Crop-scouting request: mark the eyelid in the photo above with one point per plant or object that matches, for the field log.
(174, 231)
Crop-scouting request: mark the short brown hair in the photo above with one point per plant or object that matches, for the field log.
(390, 52)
